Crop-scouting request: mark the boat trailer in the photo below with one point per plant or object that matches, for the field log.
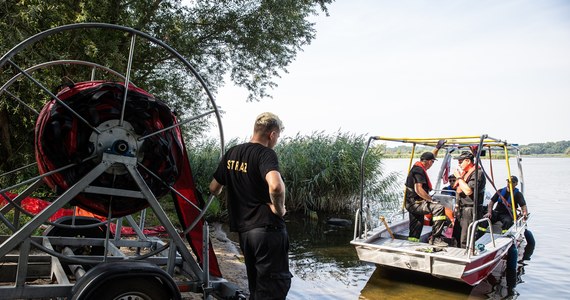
(110, 150)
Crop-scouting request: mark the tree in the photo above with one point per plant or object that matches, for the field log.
(560, 147)
(251, 42)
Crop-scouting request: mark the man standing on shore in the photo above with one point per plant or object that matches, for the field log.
(256, 207)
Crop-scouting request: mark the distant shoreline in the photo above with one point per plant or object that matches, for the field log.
(558, 155)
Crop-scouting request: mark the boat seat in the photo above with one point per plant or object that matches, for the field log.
(403, 234)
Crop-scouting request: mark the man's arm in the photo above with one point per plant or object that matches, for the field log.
(519, 197)
(490, 206)
(490, 209)
(215, 187)
(438, 146)
(422, 193)
(524, 211)
(465, 188)
(276, 192)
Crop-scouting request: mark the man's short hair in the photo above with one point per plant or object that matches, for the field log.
(267, 122)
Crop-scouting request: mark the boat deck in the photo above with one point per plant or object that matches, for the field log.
(422, 248)
(450, 262)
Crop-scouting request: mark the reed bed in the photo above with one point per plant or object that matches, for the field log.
(321, 172)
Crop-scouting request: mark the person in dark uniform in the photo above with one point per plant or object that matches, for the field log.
(256, 207)
(467, 178)
(501, 215)
(419, 202)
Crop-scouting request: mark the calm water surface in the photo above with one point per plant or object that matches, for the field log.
(325, 265)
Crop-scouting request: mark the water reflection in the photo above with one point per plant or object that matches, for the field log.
(392, 283)
(326, 266)
(323, 263)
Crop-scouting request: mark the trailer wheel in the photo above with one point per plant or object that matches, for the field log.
(130, 289)
(134, 280)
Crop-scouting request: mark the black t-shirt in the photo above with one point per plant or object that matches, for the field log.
(501, 208)
(242, 170)
(471, 181)
(416, 175)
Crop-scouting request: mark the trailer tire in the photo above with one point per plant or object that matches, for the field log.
(134, 280)
(132, 289)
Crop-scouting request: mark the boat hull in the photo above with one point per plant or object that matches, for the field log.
(449, 262)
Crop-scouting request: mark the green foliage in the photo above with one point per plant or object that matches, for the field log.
(322, 172)
(204, 157)
(251, 42)
(22, 220)
(549, 148)
(561, 147)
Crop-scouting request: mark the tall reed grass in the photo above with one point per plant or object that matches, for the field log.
(204, 156)
(321, 172)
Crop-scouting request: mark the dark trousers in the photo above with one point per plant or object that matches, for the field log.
(417, 212)
(266, 253)
(500, 221)
(465, 218)
(503, 221)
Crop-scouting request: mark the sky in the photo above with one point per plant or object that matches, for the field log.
(424, 69)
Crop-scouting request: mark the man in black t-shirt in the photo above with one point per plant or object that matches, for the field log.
(419, 202)
(502, 214)
(256, 206)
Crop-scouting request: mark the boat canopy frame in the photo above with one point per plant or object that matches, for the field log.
(476, 144)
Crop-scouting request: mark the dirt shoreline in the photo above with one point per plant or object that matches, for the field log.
(229, 256)
(230, 260)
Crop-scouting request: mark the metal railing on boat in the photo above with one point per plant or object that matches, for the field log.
(472, 230)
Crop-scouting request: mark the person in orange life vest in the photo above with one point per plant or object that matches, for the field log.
(419, 202)
(465, 189)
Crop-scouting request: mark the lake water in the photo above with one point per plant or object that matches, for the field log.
(325, 265)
